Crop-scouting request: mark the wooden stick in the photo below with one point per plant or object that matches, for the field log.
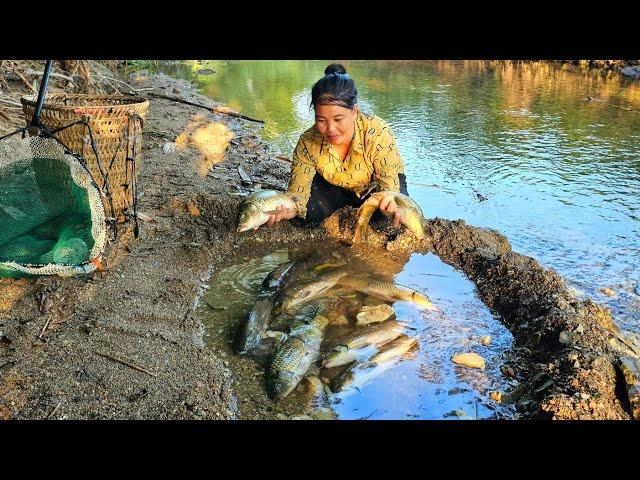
(211, 109)
(53, 75)
(45, 327)
(283, 158)
(25, 81)
(53, 411)
(10, 102)
(124, 362)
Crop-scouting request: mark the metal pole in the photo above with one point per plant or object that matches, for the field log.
(35, 121)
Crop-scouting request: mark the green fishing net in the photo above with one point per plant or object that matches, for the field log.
(52, 220)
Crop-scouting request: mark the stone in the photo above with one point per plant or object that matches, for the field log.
(168, 148)
(608, 292)
(633, 72)
(564, 337)
(471, 360)
(485, 340)
(630, 368)
(496, 396)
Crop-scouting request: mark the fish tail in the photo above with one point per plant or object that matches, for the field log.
(364, 215)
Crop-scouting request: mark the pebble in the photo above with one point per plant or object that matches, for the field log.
(471, 360)
(608, 292)
(485, 340)
(508, 371)
(168, 148)
(564, 337)
(496, 396)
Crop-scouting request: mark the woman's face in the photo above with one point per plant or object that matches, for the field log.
(336, 123)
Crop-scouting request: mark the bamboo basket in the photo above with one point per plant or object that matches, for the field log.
(116, 124)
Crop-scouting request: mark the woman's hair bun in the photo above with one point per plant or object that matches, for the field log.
(335, 68)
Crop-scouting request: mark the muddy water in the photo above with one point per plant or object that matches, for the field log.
(425, 384)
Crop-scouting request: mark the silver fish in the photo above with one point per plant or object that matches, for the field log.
(255, 209)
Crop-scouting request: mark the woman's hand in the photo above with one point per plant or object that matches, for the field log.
(281, 213)
(389, 206)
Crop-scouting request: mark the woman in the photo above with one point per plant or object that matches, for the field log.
(337, 160)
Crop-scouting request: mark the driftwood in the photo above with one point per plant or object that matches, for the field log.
(211, 109)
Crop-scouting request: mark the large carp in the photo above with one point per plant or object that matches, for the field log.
(409, 212)
(256, 208)
(387, 291)
(293, 359)
(306, 292)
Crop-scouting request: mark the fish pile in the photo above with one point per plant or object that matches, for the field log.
(287, 325)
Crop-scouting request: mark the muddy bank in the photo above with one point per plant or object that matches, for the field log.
(127, 342)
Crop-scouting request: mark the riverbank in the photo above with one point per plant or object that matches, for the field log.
(59, 358)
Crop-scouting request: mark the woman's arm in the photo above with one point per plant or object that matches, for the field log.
(303, 170)
(387, 165)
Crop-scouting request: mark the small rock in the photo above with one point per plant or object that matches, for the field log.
(168, 148)
(455, 413)
(564, 337)
(457, 390)
(633, 72)
(301, 417)
(508, 371)
(496, 396)
(485, 340)
(471, 360)
(576, 364)
(608, 292)
(280, 416)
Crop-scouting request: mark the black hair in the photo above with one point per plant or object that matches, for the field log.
(335, 88)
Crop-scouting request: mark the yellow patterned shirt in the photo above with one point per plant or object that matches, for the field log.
(373, 156)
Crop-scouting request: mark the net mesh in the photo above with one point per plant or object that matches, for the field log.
(52, 219)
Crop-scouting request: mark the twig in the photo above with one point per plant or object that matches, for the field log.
(124, 362)
(284, 159)
(10, 102)
(53, 411)
(45, 327)
(25, 81)
(53, 75)
(211, 109)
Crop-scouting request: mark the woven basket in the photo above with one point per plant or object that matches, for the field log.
(116, 125)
